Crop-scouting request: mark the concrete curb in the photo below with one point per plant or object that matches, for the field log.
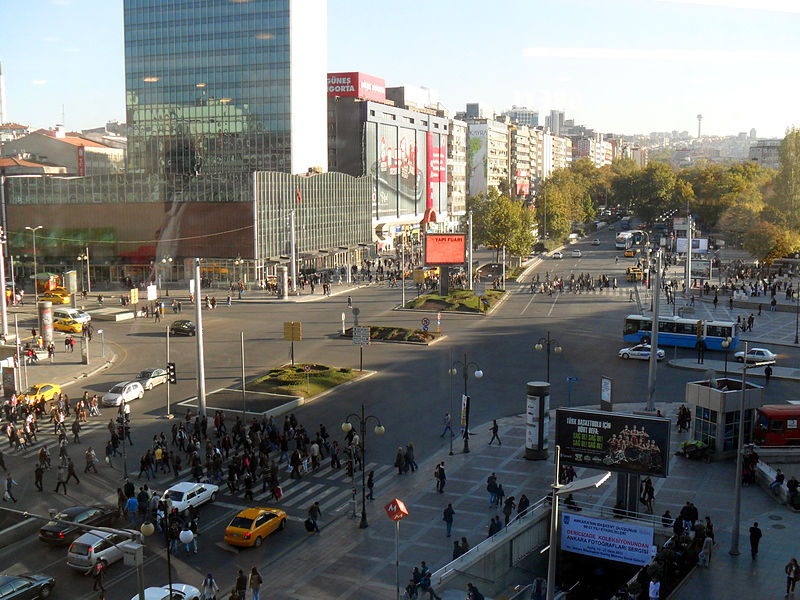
(733, 369)
(106, 365)
(431, 343)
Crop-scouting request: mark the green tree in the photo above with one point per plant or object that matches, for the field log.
(564, 198)
(767, 242)
(787, 180)
(499, 221)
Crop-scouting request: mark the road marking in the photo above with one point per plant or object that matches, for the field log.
(554, 304)
(528, 304)
(295, 499)
(239, 507)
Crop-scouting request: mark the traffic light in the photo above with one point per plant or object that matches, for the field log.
(173, 375)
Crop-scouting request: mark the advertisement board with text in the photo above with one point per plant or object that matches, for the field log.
(615, 442)
(610, 540)
(357, 85)
(445, 248)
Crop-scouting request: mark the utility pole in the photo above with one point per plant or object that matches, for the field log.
(651, 374)
(293, 254)
(469, 253)
(688, 251)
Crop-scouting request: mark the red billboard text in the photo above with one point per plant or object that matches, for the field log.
(357, 85)
(445, 248)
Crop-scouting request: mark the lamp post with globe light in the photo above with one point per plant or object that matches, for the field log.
(726, 344)
(547, 344)
(465, 366)
(379, 430)
(185, 537)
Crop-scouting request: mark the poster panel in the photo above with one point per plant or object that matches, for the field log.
(445, 249)
(610, 540)
(616, 442)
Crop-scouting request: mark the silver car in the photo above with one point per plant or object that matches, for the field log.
(149, 378)
(123, 393)
(97, 546)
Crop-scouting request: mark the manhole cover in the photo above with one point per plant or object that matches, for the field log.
(779, 526)
(776, 518)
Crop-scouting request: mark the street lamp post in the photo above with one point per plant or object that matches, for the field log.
(465, 365)
(560, 490)
(796, 308)
(726, 344)
(548, 343)
(379, 430)
(33, 230)
(167, 262)
(81, 258)
(102, 342)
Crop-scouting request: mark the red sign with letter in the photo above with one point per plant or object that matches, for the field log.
(396, 510)
(81, 161)
(357, 85)
(445, 248)
(436, 165)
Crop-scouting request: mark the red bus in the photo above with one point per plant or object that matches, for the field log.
(777, 425)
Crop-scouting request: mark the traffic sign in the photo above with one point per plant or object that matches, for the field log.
(292, 331)
(307, 368)
(396, 510)
(573, 379)
(424, 328)
(426, 321)
(360, 336)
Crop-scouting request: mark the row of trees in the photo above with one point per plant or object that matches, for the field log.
(756, 208)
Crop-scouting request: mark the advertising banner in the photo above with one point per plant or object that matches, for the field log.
(616, 442)
(537, 417)
(611, 540)
(606, 399)
(699, 245)
(445, 248)
(701, 269)
(357, 85)
(436, 165)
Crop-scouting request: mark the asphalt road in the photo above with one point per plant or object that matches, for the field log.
(409, 393)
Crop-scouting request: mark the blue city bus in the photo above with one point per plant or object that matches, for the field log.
(625, 223)
(678, 331)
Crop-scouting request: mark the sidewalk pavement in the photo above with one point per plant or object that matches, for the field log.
(734, 368)
(346, 562)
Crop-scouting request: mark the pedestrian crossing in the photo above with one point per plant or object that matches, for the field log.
(46, 438)
(595, 292)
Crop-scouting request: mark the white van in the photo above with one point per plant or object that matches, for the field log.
(71, 313)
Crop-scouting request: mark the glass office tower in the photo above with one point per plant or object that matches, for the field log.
(225, 86)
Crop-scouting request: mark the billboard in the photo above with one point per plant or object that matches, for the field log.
(616, 442)
(436, 165)
(699, 245)
(610, 540)
(445, 248)
(357, 85)
(701, 269)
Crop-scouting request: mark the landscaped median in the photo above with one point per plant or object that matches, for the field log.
(304, 380)
(462, 301)
(405, 335)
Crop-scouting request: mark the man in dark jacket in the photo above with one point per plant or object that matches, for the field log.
(241, 584)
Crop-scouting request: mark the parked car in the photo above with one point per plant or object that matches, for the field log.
(149, 378)
(27, 586)
(190, 493)
(757, 355)
(252, 525)
(557, 255)
(65, 312)
(97, 546)
(55, 532)
(576, 253)
(68, 326)
(640, 352)
(37, 390)
(183, 327)
(180, 591)
(122, 393)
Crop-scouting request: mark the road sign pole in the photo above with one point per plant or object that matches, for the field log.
(292, 351)
(397, 557)
(361, 359)
(169, 414)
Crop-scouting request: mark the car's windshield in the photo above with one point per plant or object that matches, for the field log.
(117, 389)
(144, 374)
(174, 495)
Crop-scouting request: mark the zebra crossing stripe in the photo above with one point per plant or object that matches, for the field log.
(295, 499)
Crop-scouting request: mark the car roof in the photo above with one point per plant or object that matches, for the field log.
(182, 486)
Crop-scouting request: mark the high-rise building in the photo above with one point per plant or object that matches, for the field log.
(3, 115)
(520, 169)
(488, 164)
(522, 115)
(218, 87)
(554, 122)
(457, 167)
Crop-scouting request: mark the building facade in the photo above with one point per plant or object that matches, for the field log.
(765, 153)
(522, 115)
(488, 152)
(595, 148)
(521, 154)
(79, 156)
(218, 87)
(457, 168)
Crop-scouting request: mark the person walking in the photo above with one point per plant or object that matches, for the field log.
(441, 478)
(400, 461)
(209, 588)
(755, 538)
(255, 583)
(704, 559)
(447, 517)
(410, 462)
(241, 584)
(314, 513)
(98, 572)
(7, 493)
(792, 571)
(508, 508)
(71, 472)
(495, 428)
(61, 479)
(38, 473)
(370, 485)
(655, 588)
(447, 425)
(767, 374)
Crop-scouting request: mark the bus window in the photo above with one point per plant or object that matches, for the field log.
(666, 327)
(791, 424)
(635, 325)
(776, 426)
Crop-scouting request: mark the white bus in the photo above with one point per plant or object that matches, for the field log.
(624, 240)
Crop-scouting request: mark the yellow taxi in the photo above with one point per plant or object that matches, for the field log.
(37, 390)
(55, 297)
(631, 252)
(68, 326)
(60, 290)
(252, 525)
(634, 274)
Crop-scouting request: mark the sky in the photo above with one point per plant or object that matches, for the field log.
(618, 66)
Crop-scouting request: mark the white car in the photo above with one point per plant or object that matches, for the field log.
(180, 591)
(640, 352)
(558, 255)
(595, 242)
(190, 493)
(123, 393)
(576, 253)
(757, 355)
(149, 378)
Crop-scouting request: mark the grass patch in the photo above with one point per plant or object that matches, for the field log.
(397, 334)
(291, 380)
(457, 301)
(513, 272)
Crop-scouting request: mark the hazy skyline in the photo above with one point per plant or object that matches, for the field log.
(623, 66)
